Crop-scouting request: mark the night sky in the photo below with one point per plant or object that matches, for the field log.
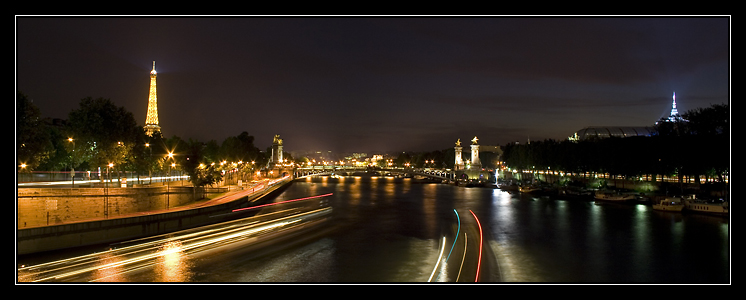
(371, 84)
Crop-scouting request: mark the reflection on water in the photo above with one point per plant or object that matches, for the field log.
(390, 230)
(172, 264)
(109, 268)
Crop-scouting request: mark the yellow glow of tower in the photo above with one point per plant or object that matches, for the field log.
(151, 121)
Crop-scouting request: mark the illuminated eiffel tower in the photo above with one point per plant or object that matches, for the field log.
(674, 116)
(151, 121)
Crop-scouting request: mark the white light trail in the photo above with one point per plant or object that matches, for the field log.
(462, 258)
(442, 247)
(145, 255)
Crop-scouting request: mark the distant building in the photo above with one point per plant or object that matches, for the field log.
(624, 131)
(602, 132)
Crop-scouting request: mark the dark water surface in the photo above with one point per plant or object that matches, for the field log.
(395, 224)
(389, 230)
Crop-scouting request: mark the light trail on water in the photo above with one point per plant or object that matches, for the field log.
(282, 202)
(440, 256)
(479, 263)
(161, 249)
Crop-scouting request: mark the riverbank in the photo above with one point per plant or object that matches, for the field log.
(101, 230)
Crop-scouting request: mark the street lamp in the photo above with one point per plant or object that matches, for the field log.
(107, 170)
(72, 167)
(106, 198)
(150, 163)
(170, 155)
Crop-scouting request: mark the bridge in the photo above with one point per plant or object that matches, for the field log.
(435, 174)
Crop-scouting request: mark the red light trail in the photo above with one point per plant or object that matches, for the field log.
(479, 262)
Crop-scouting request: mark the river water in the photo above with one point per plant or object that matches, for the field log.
(393, 226)
(389, 230)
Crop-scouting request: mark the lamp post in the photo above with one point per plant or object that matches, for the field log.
(168, 185)
(106, 198)
(170, 156)
(72, 167)
(150, 165)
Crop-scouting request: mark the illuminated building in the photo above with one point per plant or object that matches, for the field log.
(151, 121)
(624, 131)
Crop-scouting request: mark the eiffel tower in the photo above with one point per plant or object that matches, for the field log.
(151, 121)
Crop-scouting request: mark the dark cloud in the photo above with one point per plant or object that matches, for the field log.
(378, 83)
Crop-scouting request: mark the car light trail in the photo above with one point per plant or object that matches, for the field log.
(479, 261)
(458, 231)
(282, 202)
(462, 258)
(147, 254)
(442, 247)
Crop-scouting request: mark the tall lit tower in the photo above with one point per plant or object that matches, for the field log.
(151, 121)
(674, 112)
(476, 164)
(459, 162)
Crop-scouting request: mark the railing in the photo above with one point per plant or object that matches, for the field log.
(89, 176)
(54, 178)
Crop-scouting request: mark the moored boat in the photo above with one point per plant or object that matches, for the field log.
(575, 192)
(613, 196)
(529, 189)
(705, 206)
(508, 185)
(669, 204)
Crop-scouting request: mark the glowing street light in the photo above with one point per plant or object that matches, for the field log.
(72, 168)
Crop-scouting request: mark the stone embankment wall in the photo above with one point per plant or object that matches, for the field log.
(51, 206)
(113, 229)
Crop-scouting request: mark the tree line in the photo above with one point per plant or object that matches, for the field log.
(99, 134)
(696, 145)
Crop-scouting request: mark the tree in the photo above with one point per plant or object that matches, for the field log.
(239, 148)
(193, 161)
(33, 144)
(699, 142)
(104, 133)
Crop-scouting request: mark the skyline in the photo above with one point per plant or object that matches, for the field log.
(363, 84)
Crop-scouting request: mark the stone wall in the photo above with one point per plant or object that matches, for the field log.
(92, 232)
(50, 206)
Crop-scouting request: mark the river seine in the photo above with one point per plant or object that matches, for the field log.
(389, 230)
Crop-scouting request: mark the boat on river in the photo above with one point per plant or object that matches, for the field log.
(509, 185)
(669, 204)
(529, 189)
(575, 192)
(613, 196)
(706, 206)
